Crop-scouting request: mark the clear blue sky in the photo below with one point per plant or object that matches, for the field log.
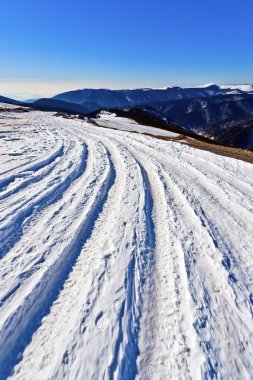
(152, 43)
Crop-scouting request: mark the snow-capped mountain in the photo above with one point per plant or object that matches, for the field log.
(241, 87)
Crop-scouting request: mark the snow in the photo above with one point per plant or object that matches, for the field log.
(242, 87)
(8, 106)
(204, 85)
(122, 256)
(111, 120)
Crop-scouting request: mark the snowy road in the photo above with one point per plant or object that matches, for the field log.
(122, 256)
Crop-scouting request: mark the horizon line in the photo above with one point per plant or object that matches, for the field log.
(29, 88)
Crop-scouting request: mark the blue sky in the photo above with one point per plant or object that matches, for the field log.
(49, 46)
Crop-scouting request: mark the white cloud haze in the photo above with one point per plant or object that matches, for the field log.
(22, 89)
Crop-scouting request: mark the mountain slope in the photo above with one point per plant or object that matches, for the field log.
(3, 99)
(122, 256)
(46, 104)
(201, 111)
(236, 133)
(225, 119)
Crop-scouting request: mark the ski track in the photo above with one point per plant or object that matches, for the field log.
(122, 256)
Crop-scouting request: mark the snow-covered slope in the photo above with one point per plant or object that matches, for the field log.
(122, 256)
(110, 120)
(8, 106)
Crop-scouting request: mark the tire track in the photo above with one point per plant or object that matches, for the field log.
(11, 232)
(33, 250)
(49, 287)
(139, 271)
(205, 323)
(49, 165)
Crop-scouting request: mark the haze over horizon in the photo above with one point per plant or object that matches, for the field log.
(28, 89)
(51, 47)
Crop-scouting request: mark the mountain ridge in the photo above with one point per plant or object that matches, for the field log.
(106, 98)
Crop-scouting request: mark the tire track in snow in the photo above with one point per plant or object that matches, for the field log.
(34, 250)
(11, 232)
(203, 299)
(47, 291)
(70, 288)
(139, 271)
(174, 333)
(99, 282)
(30, 178)
(35, 167)
(27, 193)
(23, 132)
(195, 197)
(212, 354)
(226, 250)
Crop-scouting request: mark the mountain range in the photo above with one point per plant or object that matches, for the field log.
(95, 99)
